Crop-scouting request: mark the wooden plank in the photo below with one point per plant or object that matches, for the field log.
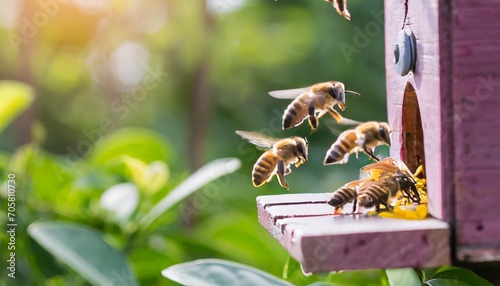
(265, 218)
(475, 47)
(321, 241)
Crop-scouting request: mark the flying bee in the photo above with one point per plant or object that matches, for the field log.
(365, 137)
(341, 7)
(391, 167)
(313, 102)
(276, 160)
(346, 194)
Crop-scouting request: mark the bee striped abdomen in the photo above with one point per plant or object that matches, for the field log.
(344, 144)
(342, 196)
(294, 114)
(263, 168)
(374, 195)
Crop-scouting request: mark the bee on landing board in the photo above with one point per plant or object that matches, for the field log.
(341, 7)
(365, 137)
(313, 102)
(346, 194)
(276, 160)
(388, 184)
(378, 193)
(390, 167)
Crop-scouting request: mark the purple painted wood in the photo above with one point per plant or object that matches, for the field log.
(457, 82)
(425, 18)
(321, 241)
(476, 98)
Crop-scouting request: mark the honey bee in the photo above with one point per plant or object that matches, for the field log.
(378, 193)
(365, 137)
(341, 7)
(313, 102)
(346, 194)
(276, 160)
(390, 167)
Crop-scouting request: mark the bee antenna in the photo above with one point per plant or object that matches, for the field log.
(352, 92)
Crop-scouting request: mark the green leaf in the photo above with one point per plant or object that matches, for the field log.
(15, 97)
(241, 238)
(47, 174)
(445, 282)
(141, 144)
(217, 272)
(155, 177)
(403, 276)
(358, 277)
(85, 251)
(149, 178)
(135, 168)
(198, 179)
(291, 266)
(462, 275)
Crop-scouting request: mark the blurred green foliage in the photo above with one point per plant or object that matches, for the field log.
(108, 137)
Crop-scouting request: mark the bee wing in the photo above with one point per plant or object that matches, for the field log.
(347, 121)
(354, 184)
(258, 139)
(288, 93)
(381, 169)
(402, 167)
(386, 164)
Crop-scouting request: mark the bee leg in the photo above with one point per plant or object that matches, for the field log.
(281, 174)
(334, 113)
(416, 197)
(354, 204)
(313, 120)
(288, 170)
(369, 152)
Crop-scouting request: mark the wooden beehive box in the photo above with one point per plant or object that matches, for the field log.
(443, 115)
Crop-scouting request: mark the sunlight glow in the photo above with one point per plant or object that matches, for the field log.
(129, 62)
(9, 13)
(220, 7)
(91, 6)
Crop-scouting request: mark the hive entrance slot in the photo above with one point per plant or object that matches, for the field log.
(413, 136)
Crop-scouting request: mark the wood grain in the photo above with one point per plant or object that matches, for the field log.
(321, 241)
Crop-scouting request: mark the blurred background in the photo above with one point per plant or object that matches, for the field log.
(177, 78)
